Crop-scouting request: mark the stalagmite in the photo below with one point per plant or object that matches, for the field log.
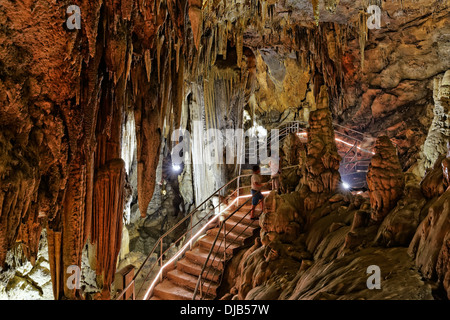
(385, 179)
(158, 56)
(71, 226)
(322, 162)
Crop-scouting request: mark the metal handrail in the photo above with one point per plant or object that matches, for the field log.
(296, 125)
(159, 243)
(287, 128)
(225, 250)
(205, 264)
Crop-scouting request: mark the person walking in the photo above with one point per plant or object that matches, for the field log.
(256, 186)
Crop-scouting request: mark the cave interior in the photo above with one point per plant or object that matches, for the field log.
(129, 131)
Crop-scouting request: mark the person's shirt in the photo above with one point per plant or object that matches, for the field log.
(274, 169)
(256, 178)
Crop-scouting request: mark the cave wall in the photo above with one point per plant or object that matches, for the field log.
(63, 94)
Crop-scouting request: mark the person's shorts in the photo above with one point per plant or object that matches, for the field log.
(256, 197)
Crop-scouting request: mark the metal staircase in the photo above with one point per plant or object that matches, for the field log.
(354, 147)
(195, 270)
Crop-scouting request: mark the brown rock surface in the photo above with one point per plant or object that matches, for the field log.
(322, 159)
(346, 278)
(399, 226)
(434, 184)
(430, 245)
(62, 94)
(280, 221)
(385, 179)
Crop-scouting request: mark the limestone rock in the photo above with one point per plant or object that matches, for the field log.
(403, 282)
(439, 132)
(385, 179)
(430, 244)
(322, 162)
(399, 226)
(280, 221)
(433, 184)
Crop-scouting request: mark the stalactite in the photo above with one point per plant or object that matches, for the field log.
(148, 64)
(195, 16)
(363, 34)
(263, 13)
(108, 210)
(222, 35)
(29, 234)
(19, 187)
(240, 47)
(315, 4)
(68, 137)
(177, 54)
(71, 226)
(159, 45)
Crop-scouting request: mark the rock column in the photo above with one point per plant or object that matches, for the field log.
(385, 179)
(323, 159)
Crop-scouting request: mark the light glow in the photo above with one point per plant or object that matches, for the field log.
(346, 185)
(351, 145)
(340, 140)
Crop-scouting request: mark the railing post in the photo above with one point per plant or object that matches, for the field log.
(190, 236)
(161, 260)
(224, 242)
(238, 190)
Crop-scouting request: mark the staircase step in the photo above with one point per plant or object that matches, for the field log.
(231, 236)
(199, 255)
(244, 215)
(248, 230)
(190, 282)
(207, 242)
(167, 290)
(194, 269)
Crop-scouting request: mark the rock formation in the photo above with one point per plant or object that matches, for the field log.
(322, 158)
(430, 246)
(280, 222)
(385, 179)
(70, 164)
(439, 133)
(63, 93)
(337, 242)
